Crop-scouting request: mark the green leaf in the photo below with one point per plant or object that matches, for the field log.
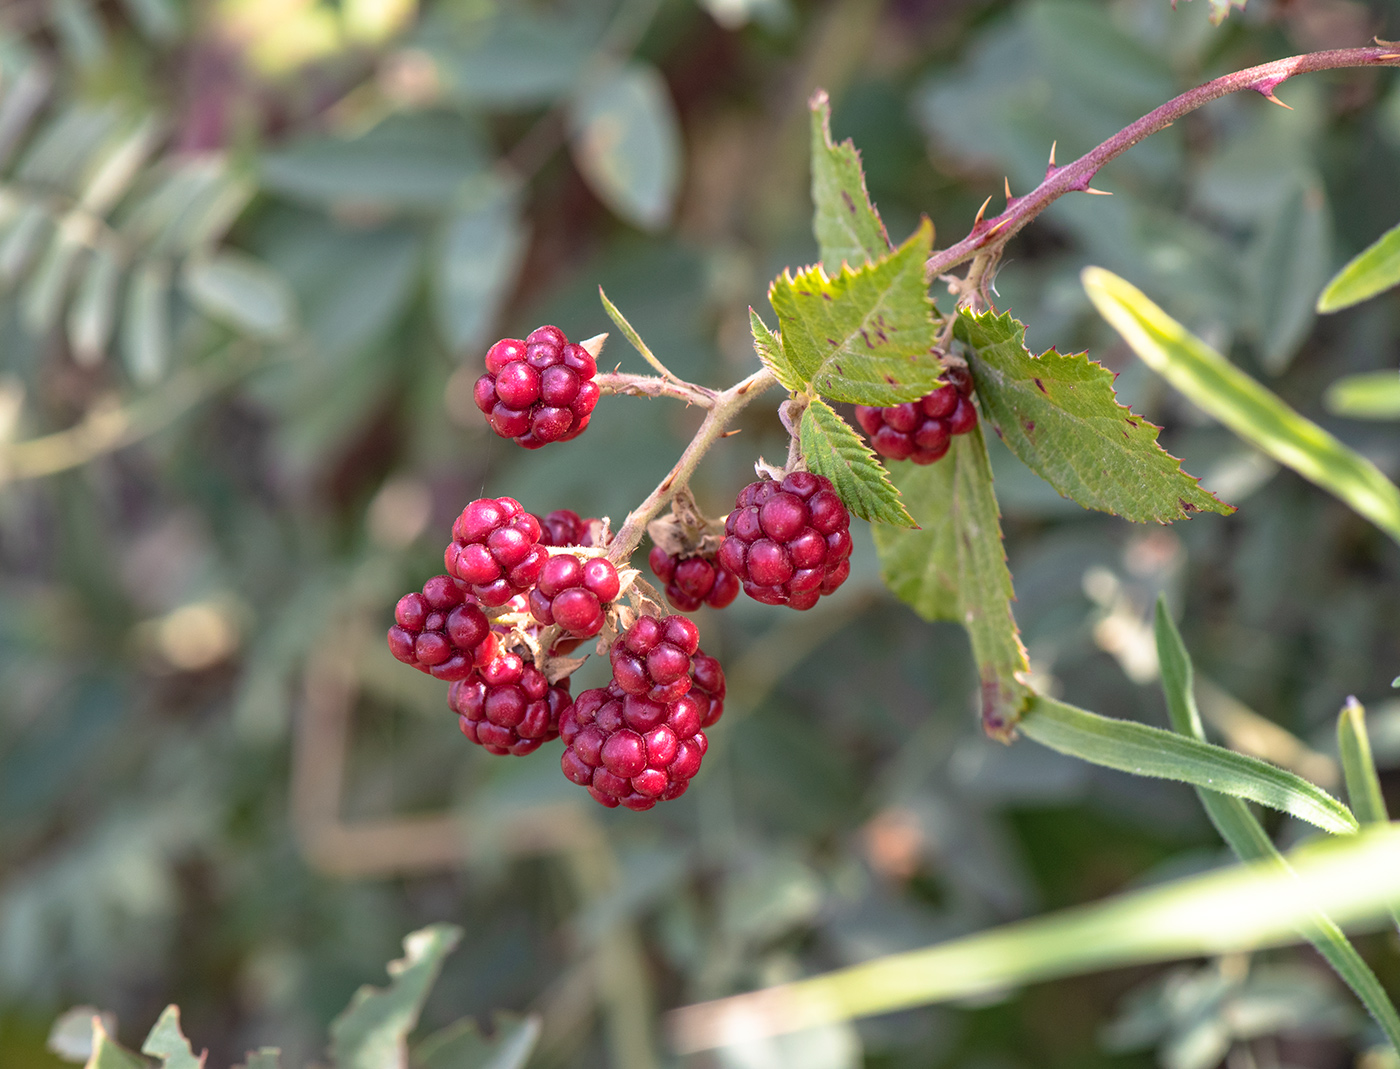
(168, 1043)
(1374, 270)
(1369, 395)
(1247, 838)
(832, 448)
(263, 1058)
(864, 335)
(626, 141)
(630, 333)
(1289, 261)
(107, 1053)
(1243, 907)
(245, 293)
(769, 348)
(93, 314)
(371, 1032)
(146, 325)
(1220, 389)
(481, 246)
(1148, 751)
(848, 227)
(1358, 766)
(954, 568)
(1060, 416)
(462, 1046)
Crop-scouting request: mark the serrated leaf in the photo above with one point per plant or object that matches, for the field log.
(1252, 412)
(168, 1043)
(847, 226)
(954, 568)
(832, 448)
(769, 348)
(1369, 395)
(462, 1046)
(1374, 270)
(107, 1053)
(371, 1032)
(863, 335)
(1059, 415)
(245, 293)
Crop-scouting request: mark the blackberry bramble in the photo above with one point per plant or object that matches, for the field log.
(788, 543)
(922, 430)
(693, 581)
(652, 658)
(574, 593)
(508, 706)
(495, 549)
(441, 631)
(538, 390)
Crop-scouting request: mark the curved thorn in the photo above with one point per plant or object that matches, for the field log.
(981, 211)
(1097, 192)
(1007, 183)
(1275, 100)
(1052, 152)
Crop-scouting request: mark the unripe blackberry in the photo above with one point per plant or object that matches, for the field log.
(574, 593)
(693, 581)
(441, 631)
(495, 549)
(922, 430)
(707, 684)
(508, 706)
(539, 390)
(565, 527)
(788, 543)
(630, 750)
(652, 658)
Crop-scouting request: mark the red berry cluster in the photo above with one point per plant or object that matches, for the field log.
(789, 543)
(922, 430)
(638, 740)
(495, 549)
(572, 593)
(565, 527)
(508, 706)
(441, 631)
(539, 390)
(693, 581)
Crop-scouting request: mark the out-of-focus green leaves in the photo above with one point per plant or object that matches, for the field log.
(371, 1033)
(1059, 415)
(1358, 766)
(832, 448)
(146, 322)
(107, 1053)
(1291, 256)
(479, 248)
(1369, 395)
(1247, 408)
(847, 226)
(626, 141)
(167, 1043)
(1373, 270)
(239, 290)
(462, 1046)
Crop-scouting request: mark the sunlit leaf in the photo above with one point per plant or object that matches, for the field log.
(848, 227)
(1358, 766)
(1373, 270)
(1220, 389)
(626, 140)
(1369, 395)
(832, 448)
(769, 348)
(865, 335)
(1060, 416)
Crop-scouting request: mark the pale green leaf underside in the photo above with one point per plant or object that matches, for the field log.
(1258, 416)
(864, 336)
(1241, 908)
(1247, 838)
(769, 348)
(832, 448)
(1375, 269)
(1369, 395)
(169, 1044)
(954, 567)
(1147, 751)
(370, 1032)
(1059, 415)
(847, 226)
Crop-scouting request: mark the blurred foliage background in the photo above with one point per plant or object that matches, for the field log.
(252, 253)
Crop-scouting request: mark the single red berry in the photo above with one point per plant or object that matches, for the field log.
(788, 543)
(538, 390)
(441, 631)
(575, 594)
(508, 706)
(693, 581)
(922, 430)
(495, 549)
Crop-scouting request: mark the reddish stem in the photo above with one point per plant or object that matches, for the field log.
(989, 235)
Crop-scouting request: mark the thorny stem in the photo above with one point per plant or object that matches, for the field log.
(725, 406)
(616, 382)
(988, 236)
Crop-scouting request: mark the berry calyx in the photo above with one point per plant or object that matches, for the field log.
(922, 430)
(507, 706)
(538, 390)
(495, 549)
(788, 543)
(652, 658)
(574, 593)
(693, 581)
(441, 631)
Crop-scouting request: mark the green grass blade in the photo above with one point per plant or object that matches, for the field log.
(1247, 838)
(1245, 907)
(1375, 268)
(630, 333)
(1148, 751)
(1368, 395)
(1258, 416)
(1358, 766)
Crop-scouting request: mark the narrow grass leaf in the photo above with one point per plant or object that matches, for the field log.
(1244, 907)
(630, 333)
(1258, 416)
(1369, 395)
(1358, 766)
(832, 448)
(1148, 751)
(1375, 269)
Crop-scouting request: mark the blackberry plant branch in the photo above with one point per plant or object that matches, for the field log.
(989, 236)
(618, 382)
